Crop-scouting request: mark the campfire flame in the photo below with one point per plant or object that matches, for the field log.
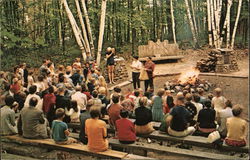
(189, 77)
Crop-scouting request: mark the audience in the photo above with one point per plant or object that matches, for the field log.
(236, 128)
(60, 130)
(80, 98)
(191, 108)
(197, 104)
(125, 128)
(73, 112)
(96, 131)
(143, 118)
(114, 110)
(218, 102)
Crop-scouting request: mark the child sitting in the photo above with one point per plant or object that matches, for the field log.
(60, 130)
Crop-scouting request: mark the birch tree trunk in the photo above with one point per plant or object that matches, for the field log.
(101, 31)
(191, 22)
(85, 12)
(172, 18)
(215, 35)
(83, 26)
(228, 30)
(236, 24)
(194, 19)
(229, 4)
(210, 40)
(75, 29)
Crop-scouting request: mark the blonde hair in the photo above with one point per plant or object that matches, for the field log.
(102, 81)
(160, 92)
(143, 101)
(102, 90)
(218, 91)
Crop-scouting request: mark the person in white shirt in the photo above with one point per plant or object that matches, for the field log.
(199, 106)
(80, 98)
(32, 93)
(73, 112)
(218, 102)
(136, 67)
(222, 118)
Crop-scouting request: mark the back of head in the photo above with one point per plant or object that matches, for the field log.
(51, 89)
(40, 78)
(188, 97)
(207, 104)
(196, 98)
(117, 89)
(33, 102)
(32, 89)
(180, 99)
(60, 112)
(237, 110)
(90, 103)
(78, 88)
(200, 91)
(136, 57)
(229, 104)
(143, 101)
(136, 93)
(123, 113)
(161, 92)
(9, 100)
(60, 90)
(61, 79)
(115, 98)
(95, 112)
(102, 90)
(217, 91)
(95, 93)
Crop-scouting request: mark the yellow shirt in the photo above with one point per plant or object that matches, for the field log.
(96, 130)
(236, 128)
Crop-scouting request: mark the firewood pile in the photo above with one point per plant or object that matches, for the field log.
(219, 60)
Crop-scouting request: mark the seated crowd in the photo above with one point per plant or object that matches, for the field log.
(52, 98)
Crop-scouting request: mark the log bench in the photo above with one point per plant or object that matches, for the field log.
(190, 140)
(156, 148)
(163, 58)
(74, 148)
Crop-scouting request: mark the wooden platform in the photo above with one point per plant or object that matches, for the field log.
(163, 58)
(74, 148)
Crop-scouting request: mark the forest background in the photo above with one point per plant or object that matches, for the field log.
(32, 30)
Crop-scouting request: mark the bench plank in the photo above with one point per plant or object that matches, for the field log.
(49, 143)
(163, 58)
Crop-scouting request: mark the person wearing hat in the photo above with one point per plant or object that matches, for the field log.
(136, 67)
(110, 63)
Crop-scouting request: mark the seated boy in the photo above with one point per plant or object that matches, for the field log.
(60, 130)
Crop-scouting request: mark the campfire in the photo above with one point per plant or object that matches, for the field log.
(188, 80)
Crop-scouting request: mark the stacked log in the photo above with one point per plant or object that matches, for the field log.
(220, 60)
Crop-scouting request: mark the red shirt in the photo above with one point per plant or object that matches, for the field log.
(114, 113)
(88, 95)
(15, 88)
(48, 101)
(125, 130)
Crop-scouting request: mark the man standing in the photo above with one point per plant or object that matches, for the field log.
(136, 67)
(149, 67)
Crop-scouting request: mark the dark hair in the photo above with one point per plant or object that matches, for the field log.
(51, 89)
(137, 93)
(61, 79)
(237, 110)
(33, 102)
(49, 64)
(115, 98)
(9, 100)
(207, 104)
(40, 78)
(84, 88)
(196, 98)
(74, 105)
(136, 57)
(32, 89)
(117, 89)
(60, 75)
(150, 58)
(181, 98)
(59, 113)
(229, 103)
(95, 111)
(7, 87)
(92, 71)
(147, 94)
(95, 93)
(123, 113)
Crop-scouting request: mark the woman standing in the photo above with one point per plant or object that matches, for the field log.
(110, 63)
(157, 108)
(136, 67)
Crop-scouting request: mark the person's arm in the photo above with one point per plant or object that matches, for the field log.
(109, 55)
(41, 119)
(66, 132)
(169, 119)
(104, 131)
(12, 119)
(245, 131)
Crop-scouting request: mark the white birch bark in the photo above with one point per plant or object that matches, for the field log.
(85, 37)
(191, 22)
(101, 31)
(85, 12)
(228, 30)
(210, 40)
(194, 19)
(172, 18)
(213, 25)
(75, 29)
(236, 24)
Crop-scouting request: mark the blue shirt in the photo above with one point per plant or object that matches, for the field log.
(58, 128)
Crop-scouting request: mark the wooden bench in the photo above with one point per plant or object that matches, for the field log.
(74, 148)
(192, 140)
(114, 143)
(163, 58)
